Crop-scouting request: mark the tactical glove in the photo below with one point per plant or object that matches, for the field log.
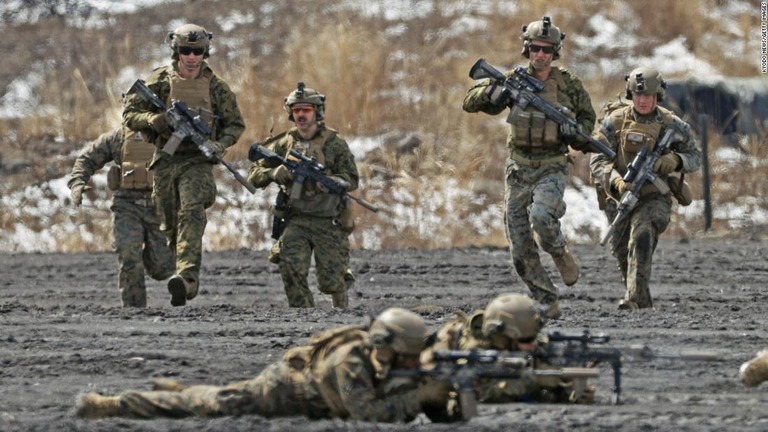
(569, 132)
(667, 164)
(76, 194)
(620, 186)
(338, 180)
(217, 148)
(159, 123)
(497, 94)
(433, 392)
(281, 174)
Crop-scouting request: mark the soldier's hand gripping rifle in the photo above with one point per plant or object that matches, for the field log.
(639, 172)
(566, 350)
(464, 368)
(522, 90)
(187, 124)
(307, 169)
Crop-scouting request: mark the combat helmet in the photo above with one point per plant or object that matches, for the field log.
(189, 35)
(400, 329)
(512, 315)
(645, 81)
(544, 31)
(302, 94)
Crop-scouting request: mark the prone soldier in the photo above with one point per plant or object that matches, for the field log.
(510, 322)
(755, 371)
(343, 373)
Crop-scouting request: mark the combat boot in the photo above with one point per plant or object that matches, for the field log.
(192, 288)
(349, 279)
(340, 300)
(755, 371)
(167, 384)
(567, 267)
(628, 305)
(94, 405)
(274, 253)
(178, 289)
(553, 311)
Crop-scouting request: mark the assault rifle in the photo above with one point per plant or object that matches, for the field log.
(523, 88)
(186, 124)
(464, 368)
(639, 172)
(307, 169)
(565, 350)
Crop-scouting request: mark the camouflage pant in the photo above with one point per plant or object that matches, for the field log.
(274, 393)
(183, 189)
(534, 204)
(302, 237)
(634, 242)
(140, 247)
(349, 276)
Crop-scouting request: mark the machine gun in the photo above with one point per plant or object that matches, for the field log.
(464, 368)
(307, 169)
(523, 88)
(186, 124)
(639, 172)
(565, 350)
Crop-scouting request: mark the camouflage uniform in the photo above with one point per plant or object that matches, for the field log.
(313, 217)
(464, 332)
(184, 185)
(636, 236)
(136, 228)
(535, 180)
(333, 377)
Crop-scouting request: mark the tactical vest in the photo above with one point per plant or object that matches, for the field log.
(137, 153)
(530, 127)
(197, 94)
(304, 198)
(308, 362)
(633, 137)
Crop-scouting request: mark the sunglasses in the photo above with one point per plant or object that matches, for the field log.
(185, 50)
(302, 110)
(537, 48)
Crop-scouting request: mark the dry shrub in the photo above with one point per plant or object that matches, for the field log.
(381, 75)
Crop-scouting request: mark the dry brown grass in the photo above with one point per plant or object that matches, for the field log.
(377, 81)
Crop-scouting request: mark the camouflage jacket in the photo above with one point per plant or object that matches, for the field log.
(571, 94)
(611, 127)
(336, 156)
(338, 364)
(229, 122)
(463, 332)
(108, 147)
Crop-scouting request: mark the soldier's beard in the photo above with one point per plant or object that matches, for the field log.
(541, 64)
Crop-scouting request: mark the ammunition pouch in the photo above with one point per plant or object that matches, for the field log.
(681, 190)
(114, 176)
(347, 217)
(532, 129)
(602, 197)
(317, 205)
(274, 253)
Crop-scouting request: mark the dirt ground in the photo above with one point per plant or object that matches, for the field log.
(63, 333)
